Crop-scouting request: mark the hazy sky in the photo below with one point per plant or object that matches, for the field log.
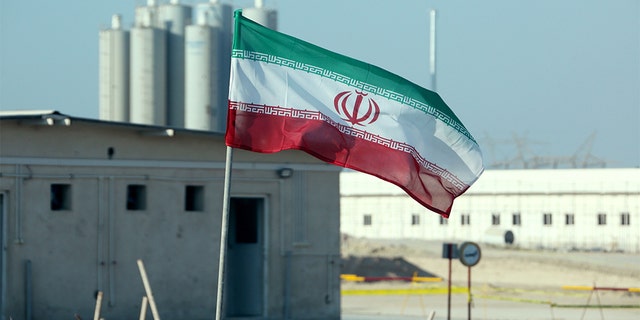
(550, 72)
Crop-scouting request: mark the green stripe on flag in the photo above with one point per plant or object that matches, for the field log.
(259, 43)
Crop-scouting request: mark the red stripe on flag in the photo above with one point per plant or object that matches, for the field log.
(272, 133)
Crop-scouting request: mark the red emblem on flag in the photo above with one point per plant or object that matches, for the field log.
(351, 107)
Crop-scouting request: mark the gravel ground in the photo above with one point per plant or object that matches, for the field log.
(507, 283)
(498, 266)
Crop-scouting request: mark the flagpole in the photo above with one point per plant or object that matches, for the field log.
(224, 228)
(432, 48)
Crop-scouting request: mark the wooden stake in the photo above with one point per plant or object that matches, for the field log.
(147, 288)
(96, 313)
(143, 308)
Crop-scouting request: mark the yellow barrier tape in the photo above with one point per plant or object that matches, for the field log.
(353, 277)
(598, 306)
(416, 291)
(426, 279)
(587, 288)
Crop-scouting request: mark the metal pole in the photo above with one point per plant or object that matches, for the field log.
(432, 48)
(287, 285)
(469, 293)
(28, 291)
(224, 226)
(449, 287)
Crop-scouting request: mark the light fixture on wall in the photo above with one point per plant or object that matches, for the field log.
(158, 133)
(48, 120)
(285, 173)
(59, 119)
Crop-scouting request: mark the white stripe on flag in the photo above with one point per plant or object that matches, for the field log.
(274, 85)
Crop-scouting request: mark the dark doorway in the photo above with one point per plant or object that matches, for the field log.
(244, 276)
(3, 257)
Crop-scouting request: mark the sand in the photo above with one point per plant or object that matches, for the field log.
(502, 272)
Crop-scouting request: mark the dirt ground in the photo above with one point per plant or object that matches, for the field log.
(503, 274)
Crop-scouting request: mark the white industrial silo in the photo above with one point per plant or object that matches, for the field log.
(114, 72)
(147, 15)
(173, 17)
(148, 72)
(261, 15)
(207, 63)
(217, 15)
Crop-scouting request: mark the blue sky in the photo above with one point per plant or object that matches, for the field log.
(543, 74)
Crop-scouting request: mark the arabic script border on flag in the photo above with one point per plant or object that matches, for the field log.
(424, 107)
(357, 133)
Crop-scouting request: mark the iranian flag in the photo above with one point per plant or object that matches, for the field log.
(286, 93)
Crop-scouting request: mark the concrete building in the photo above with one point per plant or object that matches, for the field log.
(82, 200)
(583, 209)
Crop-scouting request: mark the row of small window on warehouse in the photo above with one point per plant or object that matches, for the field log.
(61, 195)
(136, 200)
(547, 219)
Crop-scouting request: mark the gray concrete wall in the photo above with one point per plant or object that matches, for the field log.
(95, 245)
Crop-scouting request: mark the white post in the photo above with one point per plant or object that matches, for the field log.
(143, 308)
(96, 313)
(147, 288)
(224, 226)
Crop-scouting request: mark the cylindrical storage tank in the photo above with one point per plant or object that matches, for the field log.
(147, 15)
(114, 72)
(173, 18)
(215, 14)
(201, 72)
(261, 15)
(207, 63)
(148, 76)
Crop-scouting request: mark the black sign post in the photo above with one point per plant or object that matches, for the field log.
(469, 256)
(449, 251)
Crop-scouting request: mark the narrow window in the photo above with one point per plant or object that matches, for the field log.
(466, 220)
(367, 219)
(625, 219)
(602, 219)
(136, 197)
(569, 219)
(546, 219)
(516, 219)
(444, 221)
(415, 220)
(194, 198)
(495, 219)
(60, 197)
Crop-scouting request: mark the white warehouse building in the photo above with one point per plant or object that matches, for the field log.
(581, 209)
